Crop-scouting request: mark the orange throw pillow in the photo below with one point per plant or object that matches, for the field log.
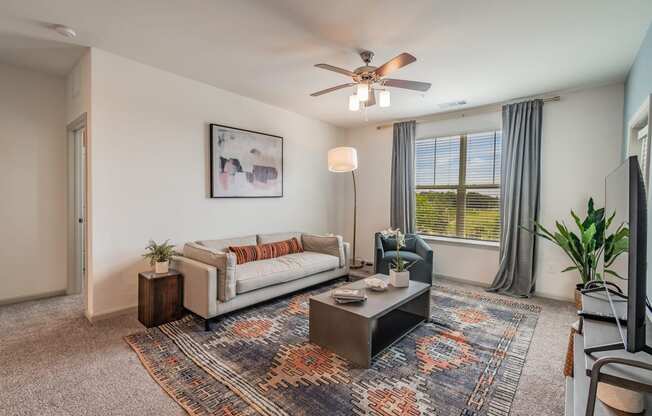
(244, 254)
(287, 247)
(266, 251)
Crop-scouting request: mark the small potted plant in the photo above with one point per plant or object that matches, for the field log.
(399, 274)
(159, 255)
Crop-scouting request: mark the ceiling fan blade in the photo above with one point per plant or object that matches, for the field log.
(371, 100)
(335, 69)
(408, 85)
(331, 89)
(394, 64)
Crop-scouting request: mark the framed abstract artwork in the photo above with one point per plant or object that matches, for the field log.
(245, 163)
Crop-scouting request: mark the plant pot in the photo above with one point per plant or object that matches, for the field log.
(578, 295)
(161, 267)
(399, 279)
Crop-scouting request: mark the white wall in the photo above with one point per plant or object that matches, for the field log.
(78, 90)
(32, 184)
(149, 171)
(580, 145)
(582, 138)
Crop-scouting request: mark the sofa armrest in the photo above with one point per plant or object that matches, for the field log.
(326, 244)
(223, 261)
(199, 286)
(379, 252)
(424, 250)
(347, 254)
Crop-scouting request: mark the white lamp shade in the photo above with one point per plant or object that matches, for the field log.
(342, 159)
(383, 98)
(363, 92)
(354, 104)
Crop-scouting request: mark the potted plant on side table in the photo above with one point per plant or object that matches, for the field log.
(399, 274)
(159, 255)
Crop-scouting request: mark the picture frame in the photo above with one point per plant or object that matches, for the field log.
(245, 163)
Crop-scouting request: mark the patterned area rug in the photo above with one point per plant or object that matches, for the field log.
(468, 361)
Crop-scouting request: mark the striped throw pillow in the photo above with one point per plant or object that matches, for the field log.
(286, 247)
(266, 251)
(244, 254)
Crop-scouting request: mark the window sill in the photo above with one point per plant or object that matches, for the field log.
(461, 241)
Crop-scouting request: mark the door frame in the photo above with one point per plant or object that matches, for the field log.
(641, 118)
(76, 278)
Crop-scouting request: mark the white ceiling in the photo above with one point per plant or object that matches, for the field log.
(53, 57)
(481, 51)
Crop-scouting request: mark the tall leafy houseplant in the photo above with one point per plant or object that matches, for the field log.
(585, 248)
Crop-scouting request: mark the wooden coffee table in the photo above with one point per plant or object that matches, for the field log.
(360, 331)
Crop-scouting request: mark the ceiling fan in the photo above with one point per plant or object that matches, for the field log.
(370, 79)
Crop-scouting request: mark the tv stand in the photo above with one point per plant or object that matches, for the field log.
(612, 347)
(612, 366)
(601, 317)
(596, 308)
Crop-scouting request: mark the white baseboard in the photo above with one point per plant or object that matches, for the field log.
(111, 314)
(486, 285)
(553, 297)
(461, 280)
(39, 296)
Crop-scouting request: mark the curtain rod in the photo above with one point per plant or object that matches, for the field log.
(491, 108)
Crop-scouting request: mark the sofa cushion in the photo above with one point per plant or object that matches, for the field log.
(224, 243)
(263, 273)
(206, 255)
(325, 244)
(389, 243)
(276, 237)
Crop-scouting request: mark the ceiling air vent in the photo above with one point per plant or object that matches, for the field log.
(451, 104)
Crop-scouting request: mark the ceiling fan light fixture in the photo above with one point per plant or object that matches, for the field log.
(369, 79)
(363, 92)
(354, 103)
(383, 98)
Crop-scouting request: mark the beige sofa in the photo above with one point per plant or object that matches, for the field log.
(214, 284)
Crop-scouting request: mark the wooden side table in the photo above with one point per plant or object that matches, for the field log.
(160, 297)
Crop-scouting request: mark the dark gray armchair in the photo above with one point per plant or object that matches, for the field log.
(415, 250)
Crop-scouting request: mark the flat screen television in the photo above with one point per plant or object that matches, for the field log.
(626, 265)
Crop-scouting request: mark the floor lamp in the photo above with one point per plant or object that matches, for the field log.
(345, 159)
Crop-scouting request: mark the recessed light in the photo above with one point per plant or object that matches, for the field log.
(65, 31)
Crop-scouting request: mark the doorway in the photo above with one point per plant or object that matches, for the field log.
(77, 205)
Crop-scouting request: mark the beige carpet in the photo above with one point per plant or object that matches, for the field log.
(54, 362)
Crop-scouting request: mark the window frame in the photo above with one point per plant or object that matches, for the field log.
(461, 188)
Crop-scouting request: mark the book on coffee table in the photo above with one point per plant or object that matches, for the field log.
(348, 295)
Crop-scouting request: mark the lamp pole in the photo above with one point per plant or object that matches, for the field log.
(354, 264)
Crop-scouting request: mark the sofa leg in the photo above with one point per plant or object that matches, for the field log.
(207, 324)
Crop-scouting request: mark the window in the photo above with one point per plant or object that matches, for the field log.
(458, 186)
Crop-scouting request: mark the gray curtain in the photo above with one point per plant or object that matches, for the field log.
(519, 197)
(402, 213)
